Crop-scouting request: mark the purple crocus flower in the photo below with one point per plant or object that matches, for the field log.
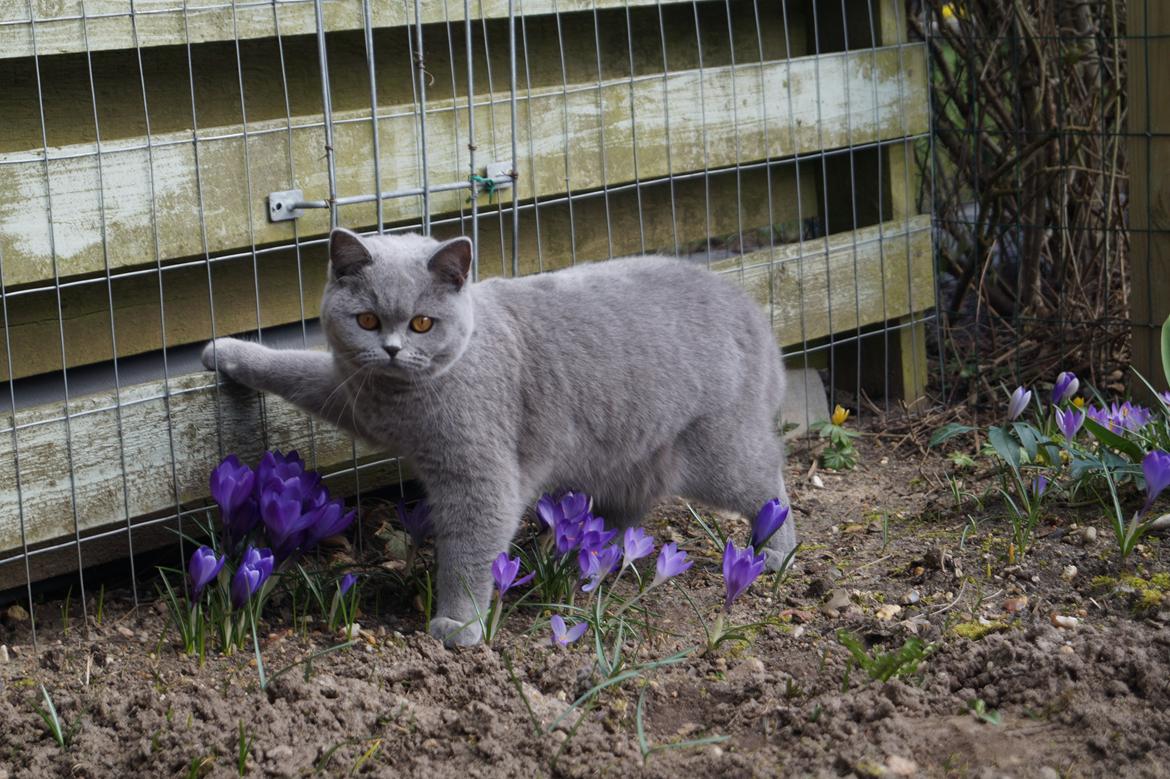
(567, 536)
(740, 569)
(593, 533)
(562, 636)
(254, 570)
(347, 582)
(1130, 417)
(274, 465)
(504, 572)
(327, 521)
(1069, 422)
(1165, 398)
(203, 569)
(283, 512)
(1038, 487)
(1156, 468)
(671, 562)
(569, 507)
(768, 521)
(416, 522)
(1065, 387)
(636, 545)
(1019, 401)
(233, 488)
(596, 564)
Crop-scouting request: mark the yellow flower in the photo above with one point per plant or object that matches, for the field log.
(839, 416)
(1079, 402)
(952, 11)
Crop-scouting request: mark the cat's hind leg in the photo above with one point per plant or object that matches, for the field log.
(737, 467)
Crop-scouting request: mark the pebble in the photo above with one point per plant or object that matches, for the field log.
(1087, 535)
(3, 653)
(1066, 649)
(888, 612)
(838, 599)
(911, 597)
(901, 766)
(1063, 621)
(817, 481)
(431, 744)
(1069, 572)
(125, 632)
(16, 613)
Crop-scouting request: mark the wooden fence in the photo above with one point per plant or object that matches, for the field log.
(139, 145)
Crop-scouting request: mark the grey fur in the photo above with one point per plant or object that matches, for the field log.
(631, 380)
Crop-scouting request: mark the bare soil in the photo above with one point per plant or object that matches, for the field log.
(889, 554)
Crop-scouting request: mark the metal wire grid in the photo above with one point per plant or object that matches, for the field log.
(468, 219)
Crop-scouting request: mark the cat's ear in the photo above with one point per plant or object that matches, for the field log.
(451, 262)
(347, 252)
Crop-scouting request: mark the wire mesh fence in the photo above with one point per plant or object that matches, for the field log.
(1033, 129)
(169, 173)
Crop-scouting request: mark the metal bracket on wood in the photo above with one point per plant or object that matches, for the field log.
(286, 205)
(289, 204)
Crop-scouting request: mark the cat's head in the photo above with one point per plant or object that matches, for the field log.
(397, 304)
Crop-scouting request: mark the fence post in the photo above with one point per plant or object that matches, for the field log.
(1149, 184)
(908, 343)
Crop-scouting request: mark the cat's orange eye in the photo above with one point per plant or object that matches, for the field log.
(367, 321)
(420, 324)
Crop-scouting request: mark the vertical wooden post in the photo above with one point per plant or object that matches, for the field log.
(1149, 184)
(893, 364)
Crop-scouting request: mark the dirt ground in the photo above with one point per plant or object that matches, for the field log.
(889, 553)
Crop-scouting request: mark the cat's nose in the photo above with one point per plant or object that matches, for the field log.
(392, 350)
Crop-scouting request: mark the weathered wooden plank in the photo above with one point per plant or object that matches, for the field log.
(122, 455)
(842, 282)
(683, 121)
(1149, 187)
(111, 24)
(675, 220)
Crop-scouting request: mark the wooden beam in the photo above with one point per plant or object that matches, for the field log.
(661, 218)
(148, 449)
(683, 121)
(112, 25)
(1149, 186)
(842, 282)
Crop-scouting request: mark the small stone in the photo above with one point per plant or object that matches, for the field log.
(888, 612)
(3, 653)
(1087, 535)
(817, 481)
(911, 597)
(1069, 572)
(431, 744)
(279, 753)
(1064, 621)
(901, 766)
(1013, 605)
(838, 599)
(125, 632)
(746, 669)
(1066, 649)
(798, 631)
(16, 613)
(716, 751)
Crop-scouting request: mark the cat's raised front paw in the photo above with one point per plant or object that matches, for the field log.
(222, 354)
(455, 633)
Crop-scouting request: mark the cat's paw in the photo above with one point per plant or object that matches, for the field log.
(455, 633)
(774, 559)
(224, 354)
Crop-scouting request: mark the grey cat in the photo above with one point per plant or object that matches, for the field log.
(630, 380)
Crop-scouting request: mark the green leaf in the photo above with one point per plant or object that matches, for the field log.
(1166, 349)
(1114, 441)
(947, 432)
(1029, 437)
(1005, 446)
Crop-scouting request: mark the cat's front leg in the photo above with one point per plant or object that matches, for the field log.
(467, 539)
(308, 379)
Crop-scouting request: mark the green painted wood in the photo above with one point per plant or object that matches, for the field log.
(110, 24)
(673, 222)
(683, 121)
